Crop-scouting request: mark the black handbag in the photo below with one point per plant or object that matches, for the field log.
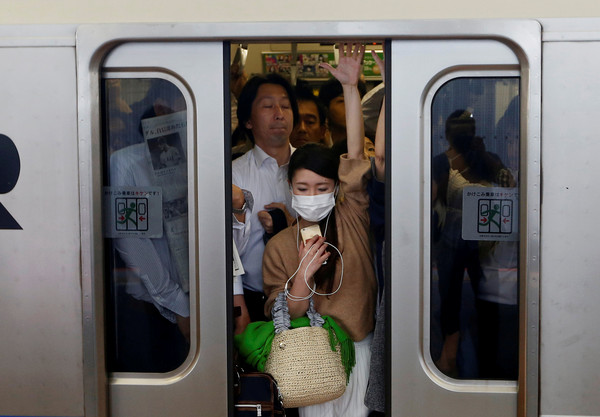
(256, 394)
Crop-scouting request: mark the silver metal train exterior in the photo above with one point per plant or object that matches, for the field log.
(53, 256)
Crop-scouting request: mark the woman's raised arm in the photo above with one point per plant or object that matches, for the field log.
(348, 73)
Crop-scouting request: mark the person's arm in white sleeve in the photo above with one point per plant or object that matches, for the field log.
(140, 255)
(241, 200)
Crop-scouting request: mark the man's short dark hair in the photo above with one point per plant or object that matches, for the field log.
(249, 92)
(333, 88)
(304, 93)
(330, 90)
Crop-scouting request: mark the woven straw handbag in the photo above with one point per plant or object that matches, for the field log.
(302, 361)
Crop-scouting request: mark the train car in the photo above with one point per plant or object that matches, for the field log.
(69, 96)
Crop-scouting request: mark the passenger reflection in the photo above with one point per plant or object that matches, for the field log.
(465, 163)
(507, 133)
(150, 282)
(498, 311)
(497, 298)
(119, 118)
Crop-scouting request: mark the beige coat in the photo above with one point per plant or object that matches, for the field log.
(354, 305)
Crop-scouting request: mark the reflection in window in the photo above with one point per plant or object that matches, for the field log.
(146, 225)
(474, 224)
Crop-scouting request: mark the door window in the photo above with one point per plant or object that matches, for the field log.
(474, 226)
(146, 225)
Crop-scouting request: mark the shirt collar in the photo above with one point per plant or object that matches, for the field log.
(261, 156)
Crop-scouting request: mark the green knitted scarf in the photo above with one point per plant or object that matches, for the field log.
(254, 344)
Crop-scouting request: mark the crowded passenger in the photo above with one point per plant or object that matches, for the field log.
(497, 293)
(465, 163)
(152, 312)
(237, 80)
(375, 394)
(342, 285)
(332, 96)
(371, 106)
(267, 110)
(312, 123)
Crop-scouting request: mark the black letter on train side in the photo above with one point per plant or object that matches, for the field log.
(10, 167)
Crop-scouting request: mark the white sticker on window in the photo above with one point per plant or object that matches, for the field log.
(133, 212)
(490, 213)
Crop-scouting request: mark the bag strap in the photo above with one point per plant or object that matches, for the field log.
(315, 318)
(281, 314)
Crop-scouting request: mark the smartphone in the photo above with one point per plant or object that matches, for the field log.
(310, 231)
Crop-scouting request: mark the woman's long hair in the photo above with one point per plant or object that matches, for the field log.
(324, 162)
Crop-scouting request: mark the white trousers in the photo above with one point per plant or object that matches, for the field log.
(352, 402)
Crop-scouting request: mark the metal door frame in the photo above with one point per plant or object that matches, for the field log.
(95, 41)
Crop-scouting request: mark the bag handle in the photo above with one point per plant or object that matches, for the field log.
(281, 314)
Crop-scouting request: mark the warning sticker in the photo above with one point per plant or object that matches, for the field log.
(133, 212)
(490, 213)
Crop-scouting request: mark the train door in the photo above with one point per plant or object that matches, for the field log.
(463, 294)
(159, 176)
(483, 70)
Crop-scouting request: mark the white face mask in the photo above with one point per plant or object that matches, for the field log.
(313, 208)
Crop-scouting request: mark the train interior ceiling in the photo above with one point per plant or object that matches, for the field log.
(299, 60)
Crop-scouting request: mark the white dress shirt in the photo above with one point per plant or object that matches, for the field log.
(260, 174)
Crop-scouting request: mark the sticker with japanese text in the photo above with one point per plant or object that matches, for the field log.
(490, 213)
(133, 212)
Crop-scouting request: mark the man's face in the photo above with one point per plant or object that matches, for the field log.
(309, 128)
(337, 112)
(272, 118)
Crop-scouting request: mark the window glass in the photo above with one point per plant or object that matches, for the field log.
(145, 225)
(474, 228)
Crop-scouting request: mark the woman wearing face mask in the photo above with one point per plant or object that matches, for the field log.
(331, 192)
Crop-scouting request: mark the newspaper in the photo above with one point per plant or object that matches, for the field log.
(166, 140)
